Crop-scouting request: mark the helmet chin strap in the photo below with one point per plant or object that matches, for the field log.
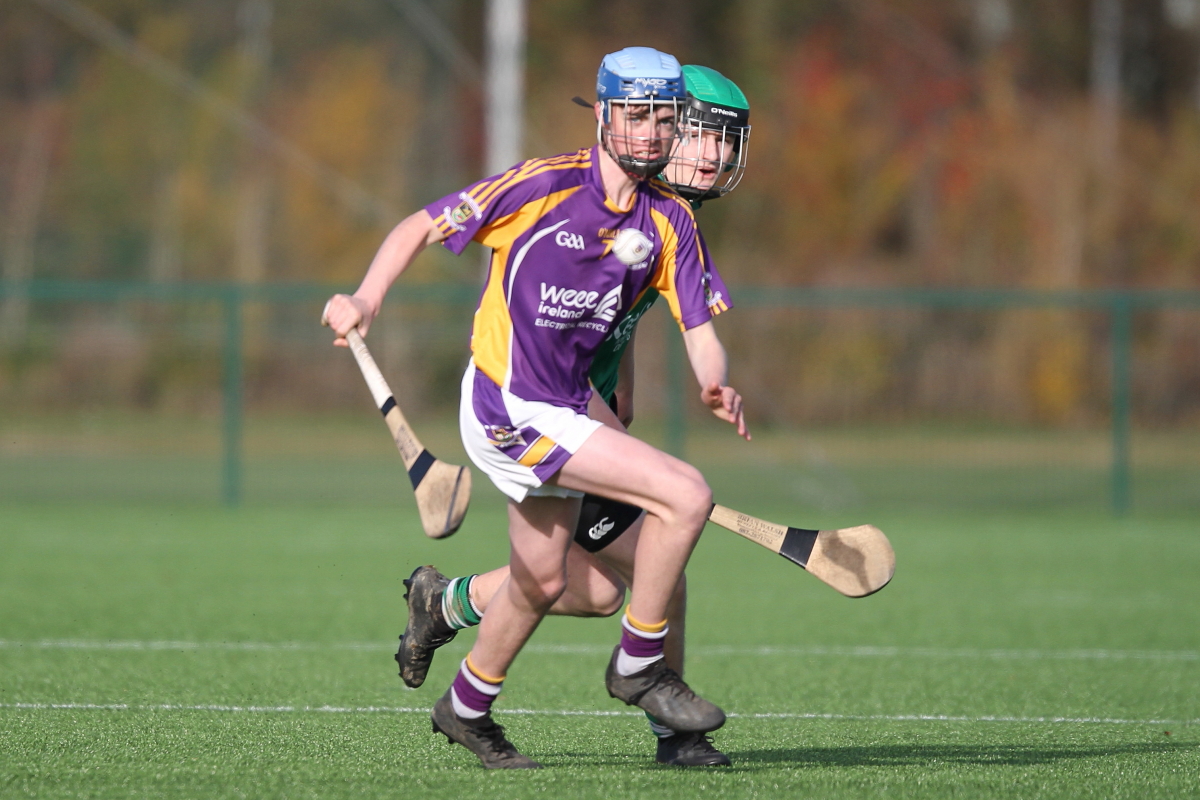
(639, 169)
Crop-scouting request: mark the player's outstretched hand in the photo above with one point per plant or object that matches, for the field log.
(726, 404)
(344, 312)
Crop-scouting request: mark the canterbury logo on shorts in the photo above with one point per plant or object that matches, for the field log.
(602, 527)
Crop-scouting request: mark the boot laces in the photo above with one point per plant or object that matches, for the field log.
(493, 732)
(671, 679)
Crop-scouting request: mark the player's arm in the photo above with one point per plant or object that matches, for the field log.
(623, 394)
(710, 365)
(410, 237)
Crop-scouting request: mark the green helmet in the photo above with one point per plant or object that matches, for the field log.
(716, 113)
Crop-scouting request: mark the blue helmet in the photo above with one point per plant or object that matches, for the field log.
(638, 75)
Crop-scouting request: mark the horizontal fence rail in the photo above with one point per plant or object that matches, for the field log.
(1120, 305)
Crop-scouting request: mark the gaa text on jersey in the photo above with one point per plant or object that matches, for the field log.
(568, 239)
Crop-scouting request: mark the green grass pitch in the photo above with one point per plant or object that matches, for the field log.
(177, 651)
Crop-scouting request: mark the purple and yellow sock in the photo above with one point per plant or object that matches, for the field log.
(457, 608)
(641, 644)
(472, 692)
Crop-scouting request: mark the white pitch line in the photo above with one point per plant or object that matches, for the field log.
(899, 652)
(85, 644)
(593, 649)
(569, 713)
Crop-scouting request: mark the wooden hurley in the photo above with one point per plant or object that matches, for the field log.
(855, 561)
(443, 490)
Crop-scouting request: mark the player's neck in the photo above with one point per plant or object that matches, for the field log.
(618, 186)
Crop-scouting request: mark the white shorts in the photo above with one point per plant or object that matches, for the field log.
(519, 444)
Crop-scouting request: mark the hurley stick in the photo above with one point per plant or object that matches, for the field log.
(855, 561)
(443, 490)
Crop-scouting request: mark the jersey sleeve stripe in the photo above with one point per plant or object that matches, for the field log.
(513, 175)
(527, 176)
(483, 186)
(529, 170)
(503, 231)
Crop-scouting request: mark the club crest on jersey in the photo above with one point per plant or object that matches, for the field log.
(503, 436)
(711, 299)
(465, 210)
(450, 217)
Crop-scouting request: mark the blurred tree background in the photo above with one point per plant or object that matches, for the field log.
(947, 143)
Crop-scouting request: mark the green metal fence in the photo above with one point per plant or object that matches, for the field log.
(1119, 306)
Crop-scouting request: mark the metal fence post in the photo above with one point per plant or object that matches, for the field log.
(231, 465)
(1122, 347)
(676, 419)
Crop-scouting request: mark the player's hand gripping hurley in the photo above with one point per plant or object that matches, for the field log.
(855, 561)
(443, 490)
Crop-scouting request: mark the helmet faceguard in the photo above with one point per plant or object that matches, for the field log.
(639, 135)
(709, 158)
(714, 134)
(642, 94)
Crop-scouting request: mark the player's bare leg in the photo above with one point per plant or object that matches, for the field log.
(540, 531)
(619, 557)
(677, 501)
(594, 589)
(620, 467)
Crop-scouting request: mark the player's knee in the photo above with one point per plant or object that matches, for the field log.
(551, 588)
(694, 500)
(541, 591)
(608, 598)
(603, 596)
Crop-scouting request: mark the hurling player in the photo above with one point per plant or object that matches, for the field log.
(707, 162)
(576, 240)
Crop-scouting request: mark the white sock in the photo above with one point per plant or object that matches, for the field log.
(627, 664)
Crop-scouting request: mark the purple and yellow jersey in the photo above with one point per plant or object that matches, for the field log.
(556, 288)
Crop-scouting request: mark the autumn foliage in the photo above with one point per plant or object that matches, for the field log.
(895, 143)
